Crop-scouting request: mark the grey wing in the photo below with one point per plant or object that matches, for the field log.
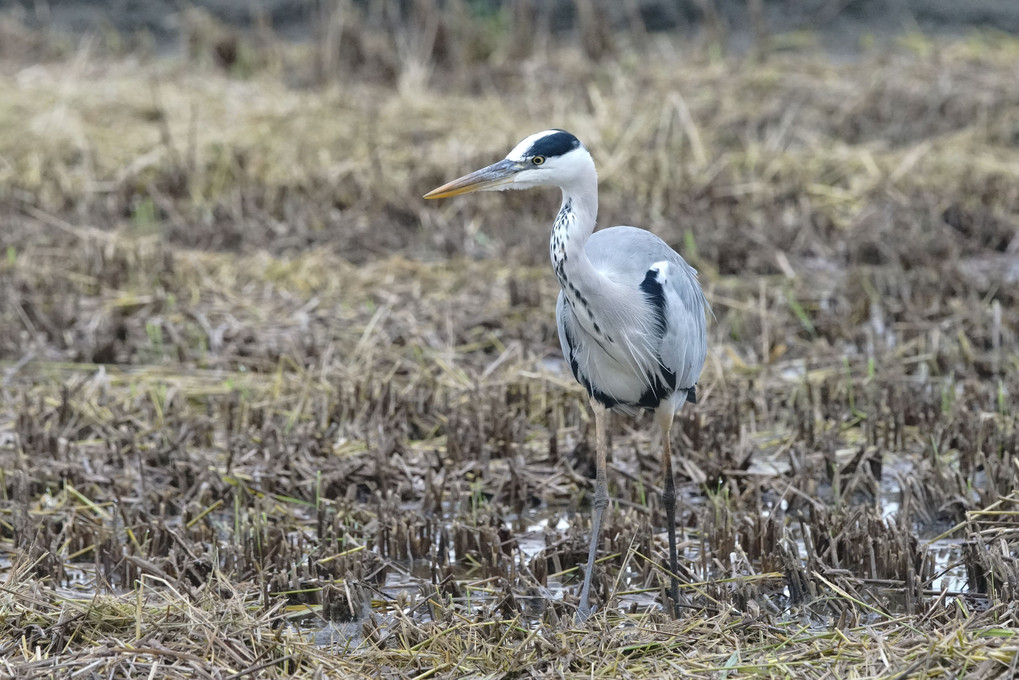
(671, 289)
(567, 337)
(684, 345)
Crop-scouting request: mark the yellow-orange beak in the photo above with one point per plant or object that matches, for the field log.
(491, 177)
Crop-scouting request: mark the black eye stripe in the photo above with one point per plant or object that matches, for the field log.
(555, 144)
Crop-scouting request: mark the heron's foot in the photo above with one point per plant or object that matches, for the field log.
(671, 600)
(584, 611)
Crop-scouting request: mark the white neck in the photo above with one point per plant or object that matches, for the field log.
(573, 226)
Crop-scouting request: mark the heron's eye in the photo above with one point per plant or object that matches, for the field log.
(538, 160)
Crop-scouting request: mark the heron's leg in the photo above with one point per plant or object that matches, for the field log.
(601, 500)
(664, 417)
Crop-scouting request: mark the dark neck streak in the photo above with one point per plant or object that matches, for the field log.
(578, 278)
(559, 245)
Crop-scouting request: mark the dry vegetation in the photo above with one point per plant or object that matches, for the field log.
(265, 412)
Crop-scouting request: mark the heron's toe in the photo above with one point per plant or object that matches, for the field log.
(584, 612)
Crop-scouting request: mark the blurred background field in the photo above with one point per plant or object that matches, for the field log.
(264, 411)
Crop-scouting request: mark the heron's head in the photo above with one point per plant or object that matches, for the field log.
(549, 158)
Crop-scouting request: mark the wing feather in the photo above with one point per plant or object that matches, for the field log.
(656, 323)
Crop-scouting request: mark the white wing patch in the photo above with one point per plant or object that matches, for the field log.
(663, 271)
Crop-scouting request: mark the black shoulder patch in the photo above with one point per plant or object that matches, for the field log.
(555, 144)
(655, 295)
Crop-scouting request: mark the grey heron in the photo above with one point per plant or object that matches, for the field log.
(631, 313)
